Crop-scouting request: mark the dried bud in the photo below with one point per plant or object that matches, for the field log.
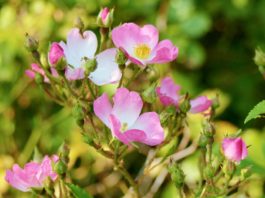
(31, 43)
(121, 59)
(79, 24)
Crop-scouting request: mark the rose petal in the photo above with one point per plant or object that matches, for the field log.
(127, 106)
(107, 70)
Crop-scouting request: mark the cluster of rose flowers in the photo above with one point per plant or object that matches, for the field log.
(79, 59)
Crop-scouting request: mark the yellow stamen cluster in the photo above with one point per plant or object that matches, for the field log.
(142, 51)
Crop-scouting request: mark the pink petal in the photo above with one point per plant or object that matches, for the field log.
(168, 92)
(74, 74)
(45, 170)
(150, 123)
(55, 53)
(127, 136)
(129, 35)
(164, 52)
(103, 108)
(107, 70)
(127, 106)
(200, 104)
(104, 13)
(234, 149)
(16, 182)
(30, 73)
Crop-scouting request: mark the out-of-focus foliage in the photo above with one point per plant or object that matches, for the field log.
(216, 41)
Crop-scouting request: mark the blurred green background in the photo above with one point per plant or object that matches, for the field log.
(216, 41)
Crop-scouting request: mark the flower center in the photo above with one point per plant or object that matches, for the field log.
(142, 51)
(124, 127)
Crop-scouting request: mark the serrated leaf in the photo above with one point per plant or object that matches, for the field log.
(256, 111)
(78, 192)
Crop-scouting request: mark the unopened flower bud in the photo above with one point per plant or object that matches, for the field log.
(55, 53)
(90, 66)
(43, 61)
(31, 43)
(149, 95)
(208, 129)
(203, 141)
(78, 114)
(39, 79)
(177, 175)
(105, 17)
(166, 114)
(60, 168)
(61, 65)
(209, 171)
(79, 24)
(234, 149)
(259, 57)
(121, 59)
(185, 106)
(64, 153)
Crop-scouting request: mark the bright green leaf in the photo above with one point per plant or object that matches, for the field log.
(78, 192)
(256, 112)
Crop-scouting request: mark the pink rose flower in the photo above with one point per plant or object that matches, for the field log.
(141, 46)
(33, 175)
(55, 53)
(78, 48)
(35, 68)
(168, 93)
(125, 121)
(234, 149)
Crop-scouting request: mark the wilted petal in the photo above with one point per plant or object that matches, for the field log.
(234, 149)
(200, 104)
(103, 108)
(127, 106)
(150, 123)
(107, 70)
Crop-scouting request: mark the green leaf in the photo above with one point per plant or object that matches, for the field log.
(256, 111)
(78, 192)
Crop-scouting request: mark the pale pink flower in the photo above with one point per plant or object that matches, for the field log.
(200, 104)
(104, 15)
(141, 45)
(33, 175)
(168, 93)
(125, 121)
(234, 149)
(35, 68)
(55, 53)
(81, 47)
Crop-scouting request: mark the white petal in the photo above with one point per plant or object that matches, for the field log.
(107, 70)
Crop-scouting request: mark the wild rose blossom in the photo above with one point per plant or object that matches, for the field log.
(55, 53)
(35, 68)
(168, 93)
(141, 46)
(125, 121)
(80, 47)
(33, 175)
(234, 149)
